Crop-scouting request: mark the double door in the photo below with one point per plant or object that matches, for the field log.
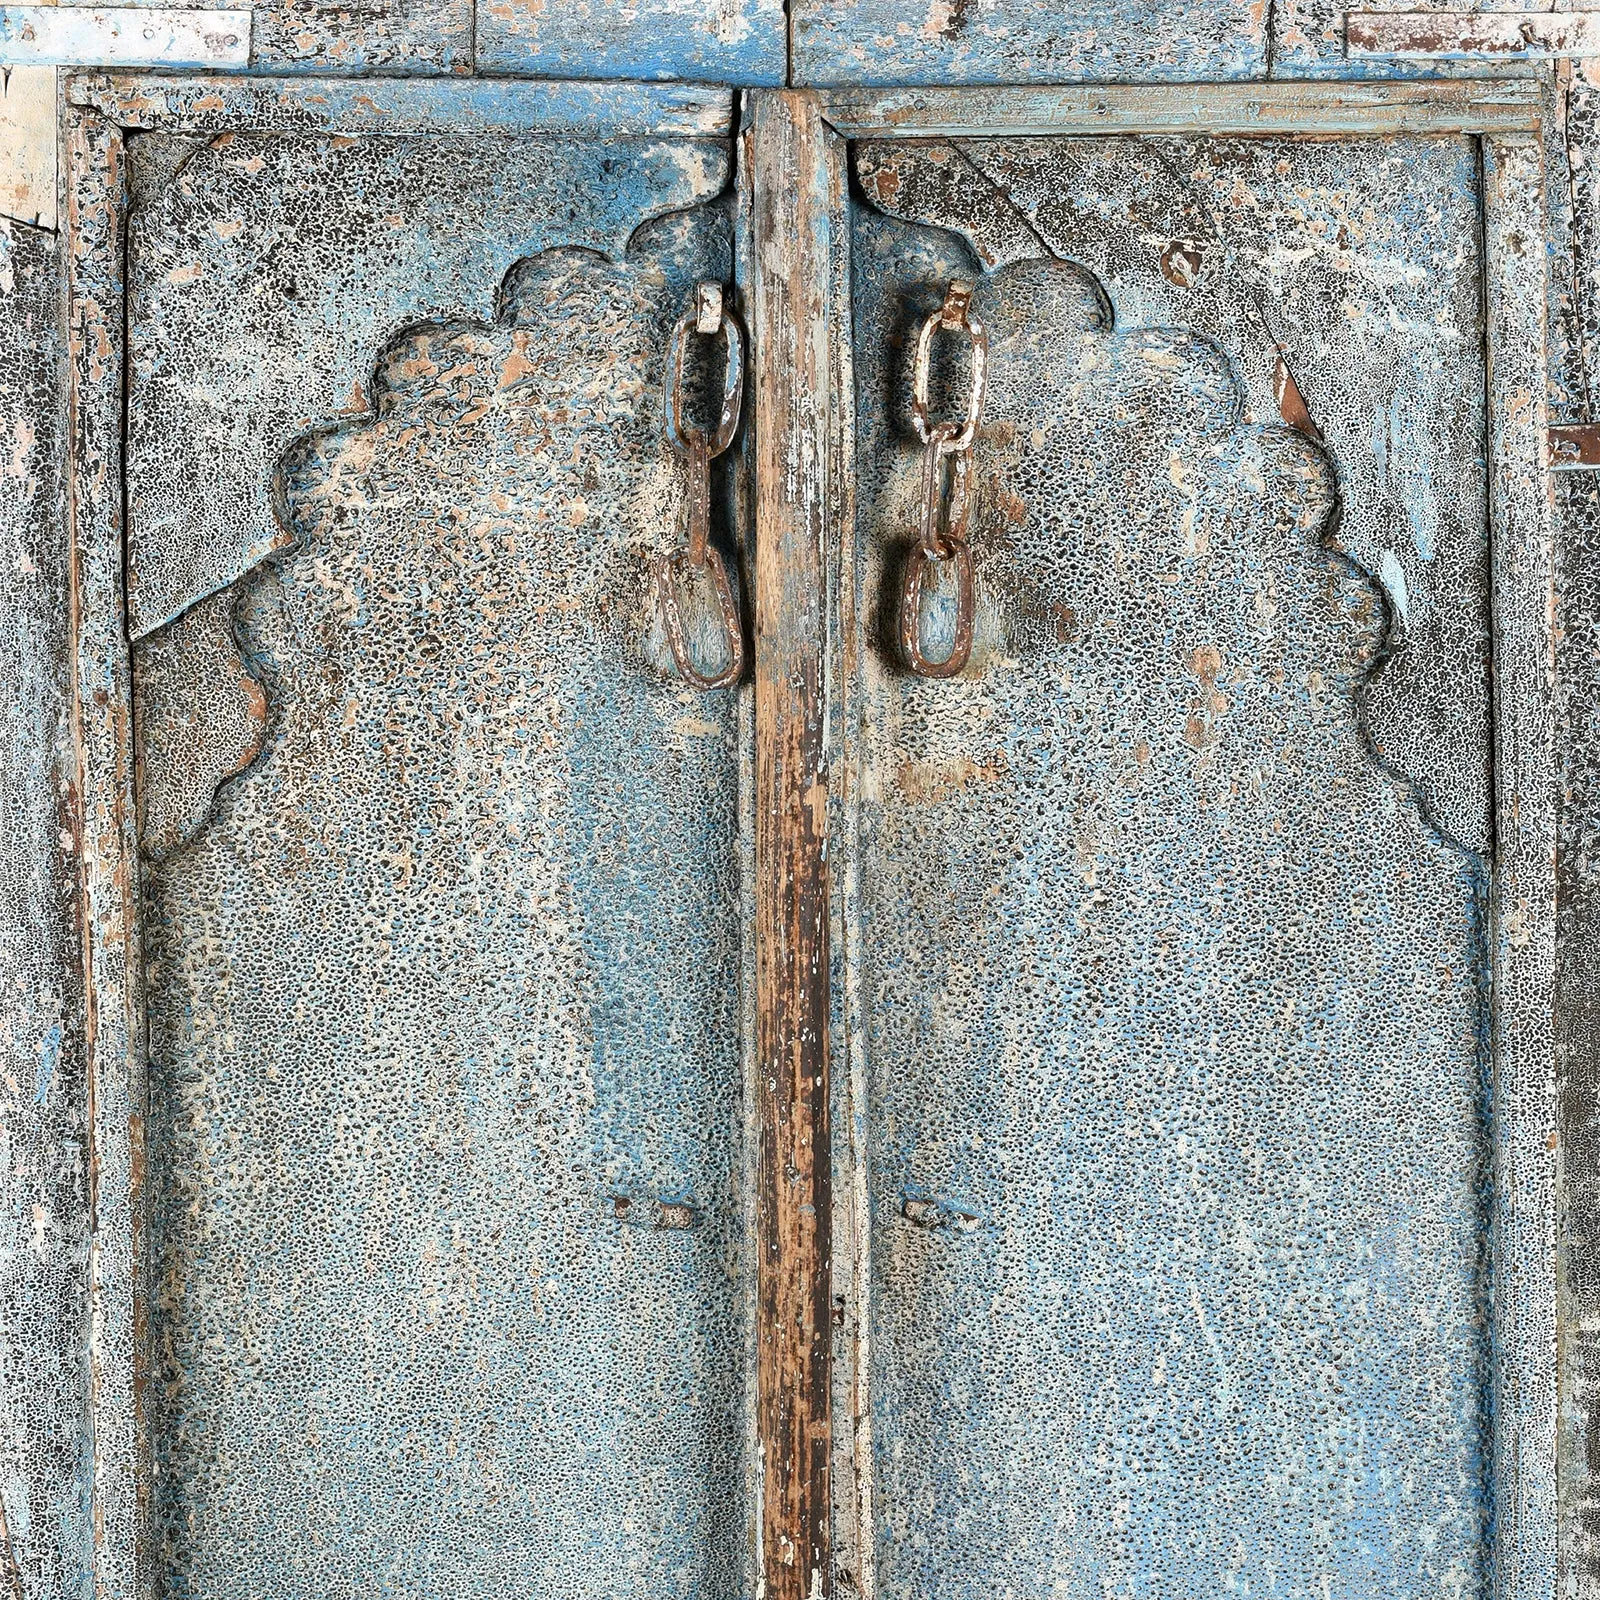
(1060, 1127)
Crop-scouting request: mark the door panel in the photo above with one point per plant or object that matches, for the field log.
(444, 992)
(267, 272)
(1173, 994)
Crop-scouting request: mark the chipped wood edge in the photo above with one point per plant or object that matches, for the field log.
(231, 103)
(793, 192)
(1523, 1219)
(1457, 106)
(96, 208)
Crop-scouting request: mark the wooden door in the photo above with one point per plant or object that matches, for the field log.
(1177, 1222)
(1074, 1126)
(442, 882)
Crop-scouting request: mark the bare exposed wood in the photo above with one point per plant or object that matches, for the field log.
(1216, 108)
(1574, 447)
(1523, 1223)
(796, 189)
(102, 728)
(1503, 35)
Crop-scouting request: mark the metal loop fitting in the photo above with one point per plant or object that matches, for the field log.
(708, 316)
(946, 490)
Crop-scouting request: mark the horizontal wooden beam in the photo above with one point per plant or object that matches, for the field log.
(1472, 35)
(1221, 108)
(134, 36)
(226, 104)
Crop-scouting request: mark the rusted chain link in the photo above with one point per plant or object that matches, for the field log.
(709, 317)
(946, 488)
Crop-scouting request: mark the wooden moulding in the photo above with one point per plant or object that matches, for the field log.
(219, 103)
(797, 188)
(96, 210)
(1523, 1212)
(1505, 106)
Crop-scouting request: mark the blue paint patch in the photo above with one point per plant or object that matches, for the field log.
(745, 45)
(49, 1059)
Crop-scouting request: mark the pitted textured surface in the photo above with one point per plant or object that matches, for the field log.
(1173, 1003)
(198, 718)
(264, 275)
(1577, 1008)
(1015, 41)
(1308, 41)
(453, 973)
(330, 37)
(333, 36)
(1578, 1015)
(44, 1522)
(1361, 258)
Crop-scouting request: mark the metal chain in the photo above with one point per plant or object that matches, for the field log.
(946, 487)
(707, 316)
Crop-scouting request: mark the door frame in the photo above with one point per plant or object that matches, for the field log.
(805, 540)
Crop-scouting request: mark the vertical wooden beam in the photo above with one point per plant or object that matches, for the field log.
(1522, 917)
(795, 187)
(96, 210)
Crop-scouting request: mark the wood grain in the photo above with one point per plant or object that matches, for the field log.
(793, 184)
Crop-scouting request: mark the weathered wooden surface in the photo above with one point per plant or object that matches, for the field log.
(28, 146)
(1523, 903)
(265, 272)
(355, 36)
(401, 106)
(1477, 35)
(44, 1513)
(727, 41)
(372, 309)
(1175, 998)
(142, 36)
(1387, 358)
(1348, 108)
(118, 1472)
(1016, 41)
(444, 999)
(799, 183)
(1577, 994)
(199, 717)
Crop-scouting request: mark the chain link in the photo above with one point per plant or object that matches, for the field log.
(946, 487)
(708, 316)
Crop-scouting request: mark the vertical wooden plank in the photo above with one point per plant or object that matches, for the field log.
(794, 188)
(96, 211)
(44, 1533)
(1523, 1225)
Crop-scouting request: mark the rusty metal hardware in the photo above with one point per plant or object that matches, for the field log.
(1573, 446)
(708, 316)
(946, 488)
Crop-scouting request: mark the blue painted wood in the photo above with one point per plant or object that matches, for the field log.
(44, 1211)
(444, 1004)
(1172, 998)
(732, 41)
(368, 235)
(1017, 41)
